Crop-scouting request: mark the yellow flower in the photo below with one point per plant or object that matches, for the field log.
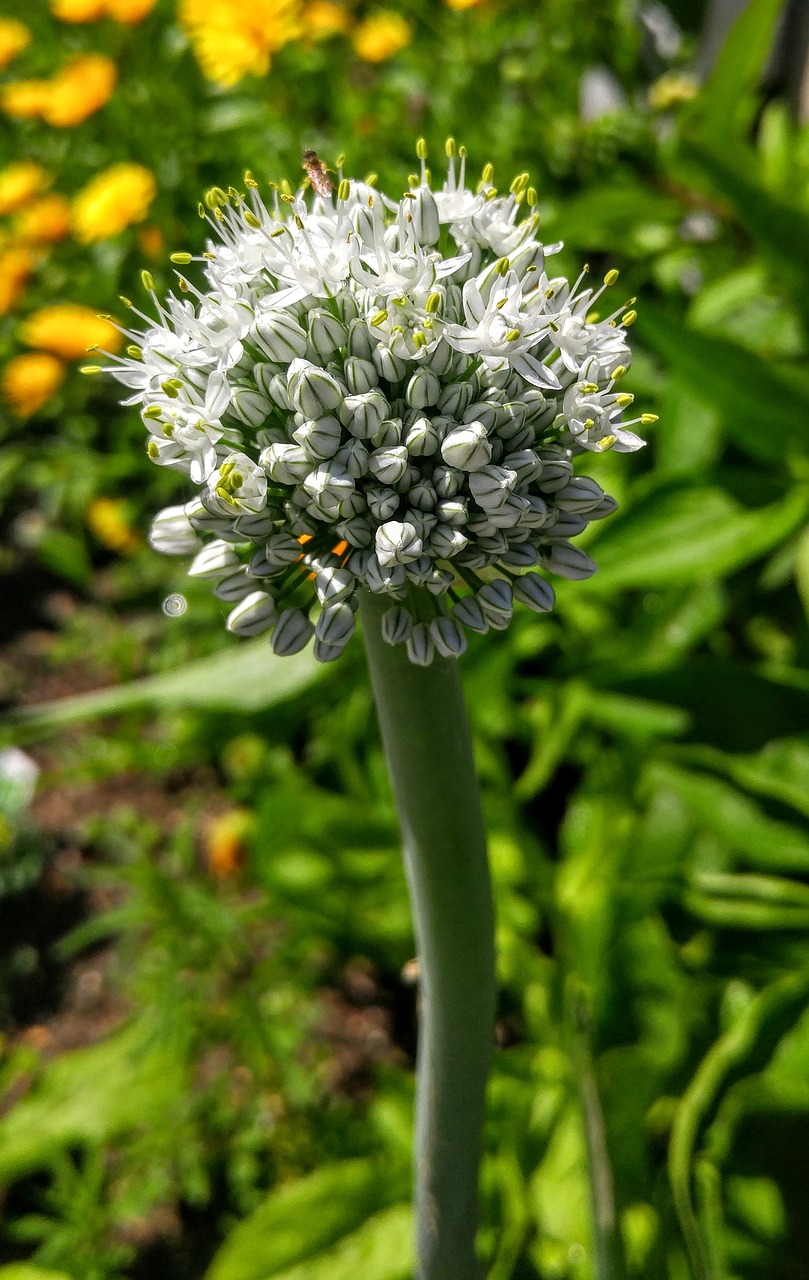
(29, 381)
(232, 39)
(115, 199)
(44, 220)
(78, 10)
(129, 11)
(25, 99)
(225, 840)
(382, 35)
(322, 19)
(67, 330)
(462, 4)
(79, 89)
(18, 183)
(672, 90)
(107, 519)
(16, 268)
(14, 37)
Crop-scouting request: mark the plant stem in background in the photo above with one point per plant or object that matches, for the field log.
(427, 742)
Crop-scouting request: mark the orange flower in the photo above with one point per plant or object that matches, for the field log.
(44, 221)
(29, 381)
(225, 842)
(382, 35)
(78, 10)
(14, 37)
(19, 182)
(67, 330)
(16, 268)
(232, 39)
(129, 11)
(108, 519)
(150, 241)
(114, 200)
(322, 19)
(80, 89)
(25, 99)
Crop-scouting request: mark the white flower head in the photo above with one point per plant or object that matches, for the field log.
(380, 394)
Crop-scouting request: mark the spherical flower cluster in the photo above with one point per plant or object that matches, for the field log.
(380, 395)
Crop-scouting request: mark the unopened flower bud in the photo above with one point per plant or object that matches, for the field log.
(567, 561)
(420, 647)
(426, 223)
(336, 624)
(173, 534)
(362, 414)
(279, 336)
(467, 448)
(397, 542)
(293, 633)
(326, 333)
(253, 615)
(534, 591)
(397, 625)
(235, 587)
(421, 438)
(360, 375)
(423, 389)
(313, 390)
(470, 615)
(285, 463)
(389, 465)
(319, 437)
(448, 637)
(580, 495)
(250, 407)
(216, 560)
(491, 486)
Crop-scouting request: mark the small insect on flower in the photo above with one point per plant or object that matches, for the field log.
(317, 173)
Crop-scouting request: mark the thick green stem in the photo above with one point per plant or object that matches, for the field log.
(427, 742)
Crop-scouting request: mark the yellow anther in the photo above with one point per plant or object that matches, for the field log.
(201, 209)
(183, 283)
(487, 174)
(618, 372)
(449, 148)
(152, 450)
(371, 179)
(513, 335)
(299, 222)
(592, 317)
(605, 443)
(419, 338)
(251, 220)
(136, 353)
(628, 318)
(153, 412)
(624, 400)
(490, 193)
(413, 180)
(421, 149)
(611, 276)
(589, 388)
(532, 197)
(219, 215)
(148, 280)
(286, 189)
(340, 161)
(648, 418)
(589, 422)
(344, 189)
(125, 301)
(181, 259)
(90, 370)
(379, 318)
(249, 180)
(210, 257)
(501, 266)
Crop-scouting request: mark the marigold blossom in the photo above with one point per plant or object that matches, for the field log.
(380, 394)
(14, 37)
(463, 4)
(323, 18)
(232, 40)
(108, 520)
(78, 10)
(68, 330)
(77, 91)
(16, 269)
(29, 381)
(113, 201)
(19, 182)
(44, 220)
(381, 35)
(25, 99)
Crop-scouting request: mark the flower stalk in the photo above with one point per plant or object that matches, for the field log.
(425, 733)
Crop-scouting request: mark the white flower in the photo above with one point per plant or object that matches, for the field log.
(358, 409)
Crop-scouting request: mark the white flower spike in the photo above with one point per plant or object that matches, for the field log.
(380, 394)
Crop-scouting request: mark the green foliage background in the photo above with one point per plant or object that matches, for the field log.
(643, 749)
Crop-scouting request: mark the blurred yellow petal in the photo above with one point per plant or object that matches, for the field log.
(322, 19)
(108, 519)
(16, 268)
(25, 99)
(672, 90)
(67, 330)
(19, 183)
(463, 4)
(129, 11)
(114, 200)
(80, 89)
(78, 10)
(382, 35)
(231, 39)
(44, 220)
(14, 37)
(29, 381)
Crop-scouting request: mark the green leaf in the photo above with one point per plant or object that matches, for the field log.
(736, 820)
(381, 1249)
(745, 1048)
(765, 413)
(728, 103)
(686, 534)
(297, 1222)
(89, 1096)
(780, 230)
(24, 1271)
(245, 678)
